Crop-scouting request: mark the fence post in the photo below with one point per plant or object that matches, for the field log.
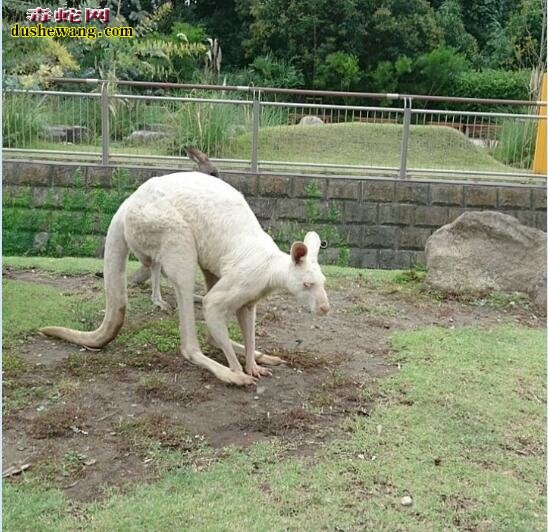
(105, 125)
(255, 131)
(405, 137)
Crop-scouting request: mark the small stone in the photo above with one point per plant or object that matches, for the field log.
(406, 501)
(260, 389)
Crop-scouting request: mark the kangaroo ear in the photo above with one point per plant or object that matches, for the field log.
(313, 243)
(196, 155)
(298, 252)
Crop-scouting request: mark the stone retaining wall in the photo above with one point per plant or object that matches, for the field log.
(369, 222)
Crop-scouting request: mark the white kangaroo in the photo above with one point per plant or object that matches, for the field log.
(183, 220)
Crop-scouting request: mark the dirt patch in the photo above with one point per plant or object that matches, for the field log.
(106, 418)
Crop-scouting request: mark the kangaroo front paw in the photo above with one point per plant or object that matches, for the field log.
(162, 305)
(269, 360)
(258, 371)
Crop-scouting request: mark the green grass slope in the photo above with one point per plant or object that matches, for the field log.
(436, 147)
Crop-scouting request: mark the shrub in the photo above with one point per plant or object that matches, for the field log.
(498, 84)
(339, 71)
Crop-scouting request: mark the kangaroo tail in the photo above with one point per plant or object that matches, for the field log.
(116, 255)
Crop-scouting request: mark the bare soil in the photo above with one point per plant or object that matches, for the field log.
(98, 419)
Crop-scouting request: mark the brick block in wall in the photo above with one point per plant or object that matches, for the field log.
(454, 213)
(539, 198)
(379, 191)
(480, 196)
(394, 259)
(352, 235)
(446, 194)
(379, 236)
(18, 196)
(540, 220)
(300, 185)
(396, 214)
(525, 217)
(514, 197)
(264, 208)
(276, 186)
(27, 174)
(416, 193)
(291, 209)
(431, 216)
(360, 212)
(246, 184)
(326, 211)
(368, 258)
(96, 176)
(413, 237)
(418, 258)
(343, 189)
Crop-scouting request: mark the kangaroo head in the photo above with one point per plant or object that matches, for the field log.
(306, 280)
(203, 163)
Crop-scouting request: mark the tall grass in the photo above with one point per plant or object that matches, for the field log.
(20, 120)
(516, 143)
(209, 126)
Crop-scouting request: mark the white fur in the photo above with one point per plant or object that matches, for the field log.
(181, 221)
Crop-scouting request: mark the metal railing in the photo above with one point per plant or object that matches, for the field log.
(268, 129)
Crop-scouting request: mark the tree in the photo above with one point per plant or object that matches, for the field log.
(450, 19)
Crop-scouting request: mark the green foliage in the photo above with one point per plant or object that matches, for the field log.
(436, 71)
(499, 84)
(339, 71)
(449, 16)
(267, 71)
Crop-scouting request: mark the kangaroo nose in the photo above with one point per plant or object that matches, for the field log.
(324, 308)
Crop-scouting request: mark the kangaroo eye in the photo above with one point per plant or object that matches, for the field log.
(308, 285)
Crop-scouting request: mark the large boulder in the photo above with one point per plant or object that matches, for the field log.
(486, 251)
(310, 120)
(144, 136)
(73, 134)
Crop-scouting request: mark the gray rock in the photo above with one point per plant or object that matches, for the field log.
(406, 501)
(310, 120)
(487, 251)
(74, 134)
(144, 136)
(40, 241)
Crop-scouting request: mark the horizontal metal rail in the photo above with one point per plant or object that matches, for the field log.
(305, 92)
(179, 99)
(53, 93)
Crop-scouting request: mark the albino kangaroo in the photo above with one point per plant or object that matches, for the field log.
(205, 166)
(184, 220)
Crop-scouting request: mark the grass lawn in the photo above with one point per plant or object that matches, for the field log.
(460, 428)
